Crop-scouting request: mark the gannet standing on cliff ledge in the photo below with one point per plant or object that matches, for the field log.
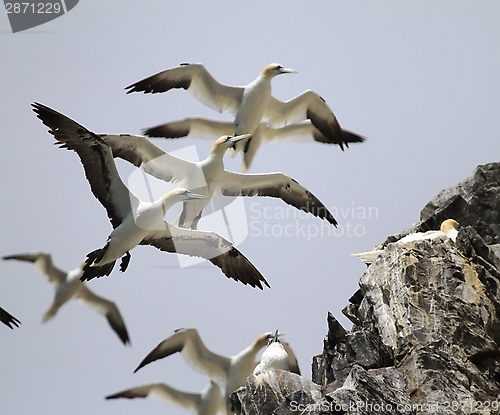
(274, 357)
(448, 229)
(252, 103)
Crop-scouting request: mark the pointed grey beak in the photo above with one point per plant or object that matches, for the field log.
(239, 138)
(191, 195)
(288, 70)
(276, 337)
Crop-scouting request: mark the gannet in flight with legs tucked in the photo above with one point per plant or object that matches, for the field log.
(208, 177)
(136, 222)
(203, 128)
(448, 229)
(67, 286)
(252, 103)
(274, 357)
(208, 402)
(230, 370)
(8, 319)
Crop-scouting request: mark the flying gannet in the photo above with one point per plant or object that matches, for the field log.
(252, 103)
(274, 357)
(448, 229)
(203, 128)
(8, 319)
(208, 177)
(230, 370)
(136, 222)
(67, 286)
(208, 402)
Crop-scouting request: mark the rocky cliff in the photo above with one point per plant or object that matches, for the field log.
(426, 331)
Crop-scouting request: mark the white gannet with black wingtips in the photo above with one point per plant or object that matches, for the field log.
(448, 229)
(136, 222)
(274, 357)
(252, 103)
(67, 286)
(8, 319)
(208, 402)
(204, 128)
(208, 177)
(230, 370)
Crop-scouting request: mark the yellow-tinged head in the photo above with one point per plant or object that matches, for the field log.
(227, 141)
(449, 225)
(274, 69)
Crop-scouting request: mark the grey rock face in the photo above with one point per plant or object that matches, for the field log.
(426, 318)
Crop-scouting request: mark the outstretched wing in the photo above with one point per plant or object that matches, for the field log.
(163, 392)
(107, 308)
(210, 246)
(192, 127)
(8, 319)
(143, 153)
(198, 81)
(187, 341)
(309, 105)
(43, 262)
(275, 185)
(97, 160)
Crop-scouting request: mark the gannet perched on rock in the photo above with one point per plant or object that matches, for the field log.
(8, 319)
(203, 128)
(231, 370)
(136, 222)
(208, 177)
(274, 357)
(67, 286)
(252, 103)
(448, 229)
(208, 402)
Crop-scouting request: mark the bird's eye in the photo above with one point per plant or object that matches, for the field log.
(279, 67)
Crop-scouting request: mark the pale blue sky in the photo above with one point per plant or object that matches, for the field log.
(418, 79)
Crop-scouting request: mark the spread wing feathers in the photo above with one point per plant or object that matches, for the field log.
(275, 185)
(188, 342)
(292, 359)
(107, 308)
(44, 264)
(210, 246)
(192, 127)
(164, 392)
(307, 105)
(304, 132)
(143, 153)
(197, 80)
(8, 319)
(97, 160)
